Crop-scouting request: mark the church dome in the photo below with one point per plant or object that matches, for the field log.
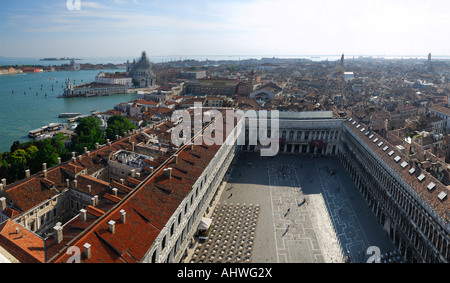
(144, 63)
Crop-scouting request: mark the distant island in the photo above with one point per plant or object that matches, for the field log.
(59, 59)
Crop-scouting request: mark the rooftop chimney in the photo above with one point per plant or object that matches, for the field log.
(176, 158)
(108, 142)
(83, 215)
(132, 146)
(45, 174)
(27, 173)
(133, 173)
(168, 172)
(112, 226)
(97, 145)
(2, 204)
(58, 233)
(44, 166)
(1, 188)
(89, 188)
(59, 161)
(68, 183)
(138, 174)
(87, 250)
(74, 159)
(4, 182)
(114, 191)
(122, 181)
(75, 184)
(96, 200)
(74, 154)
(85, 150)
(123, 216)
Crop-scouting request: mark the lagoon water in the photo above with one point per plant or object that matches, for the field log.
(21, 113)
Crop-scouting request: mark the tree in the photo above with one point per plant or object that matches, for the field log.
(117, 125)
(18, 161)
(46, 154)
(88, 133)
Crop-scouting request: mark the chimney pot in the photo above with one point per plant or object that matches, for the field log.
(96, 200)
(44, 166)
(83, 215)
(4, 182)
(17, 230)
(75, 183)
(89, 188)
(58, 233)
(68, 183)
(45, 174)
(168, 172)
(112, 226)
(2, 204)
(27, 173)
(133, 173)
(87, 250)
(115, 191)
(74, 154)
(59, 161)
(123, 216)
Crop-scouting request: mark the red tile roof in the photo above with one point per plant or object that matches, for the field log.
(430, 198)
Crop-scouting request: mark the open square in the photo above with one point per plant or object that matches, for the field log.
(310, 211)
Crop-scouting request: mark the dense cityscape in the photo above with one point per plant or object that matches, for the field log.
(180, 174)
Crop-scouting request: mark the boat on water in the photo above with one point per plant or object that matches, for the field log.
(43, 137)
(44, 132)
(69, 115)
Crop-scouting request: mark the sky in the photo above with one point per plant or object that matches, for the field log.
(124, 28)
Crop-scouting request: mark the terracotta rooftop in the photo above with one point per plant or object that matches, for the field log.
(148, 209)
(407, 171)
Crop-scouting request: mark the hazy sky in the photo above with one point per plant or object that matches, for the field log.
(103, 28)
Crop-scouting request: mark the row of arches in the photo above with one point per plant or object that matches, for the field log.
(417, 236)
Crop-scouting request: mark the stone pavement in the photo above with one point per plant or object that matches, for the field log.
(333, 222)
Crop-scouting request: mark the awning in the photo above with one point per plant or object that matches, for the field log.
(205, 224)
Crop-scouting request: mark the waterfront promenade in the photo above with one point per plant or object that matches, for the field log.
(333, 223)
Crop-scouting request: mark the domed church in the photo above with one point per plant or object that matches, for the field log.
(141, 72)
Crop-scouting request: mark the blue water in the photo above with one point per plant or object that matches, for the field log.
(20, 113)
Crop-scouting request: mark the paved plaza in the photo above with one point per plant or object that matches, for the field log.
(306, 213)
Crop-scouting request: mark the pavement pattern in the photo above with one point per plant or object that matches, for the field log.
(309, 211)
